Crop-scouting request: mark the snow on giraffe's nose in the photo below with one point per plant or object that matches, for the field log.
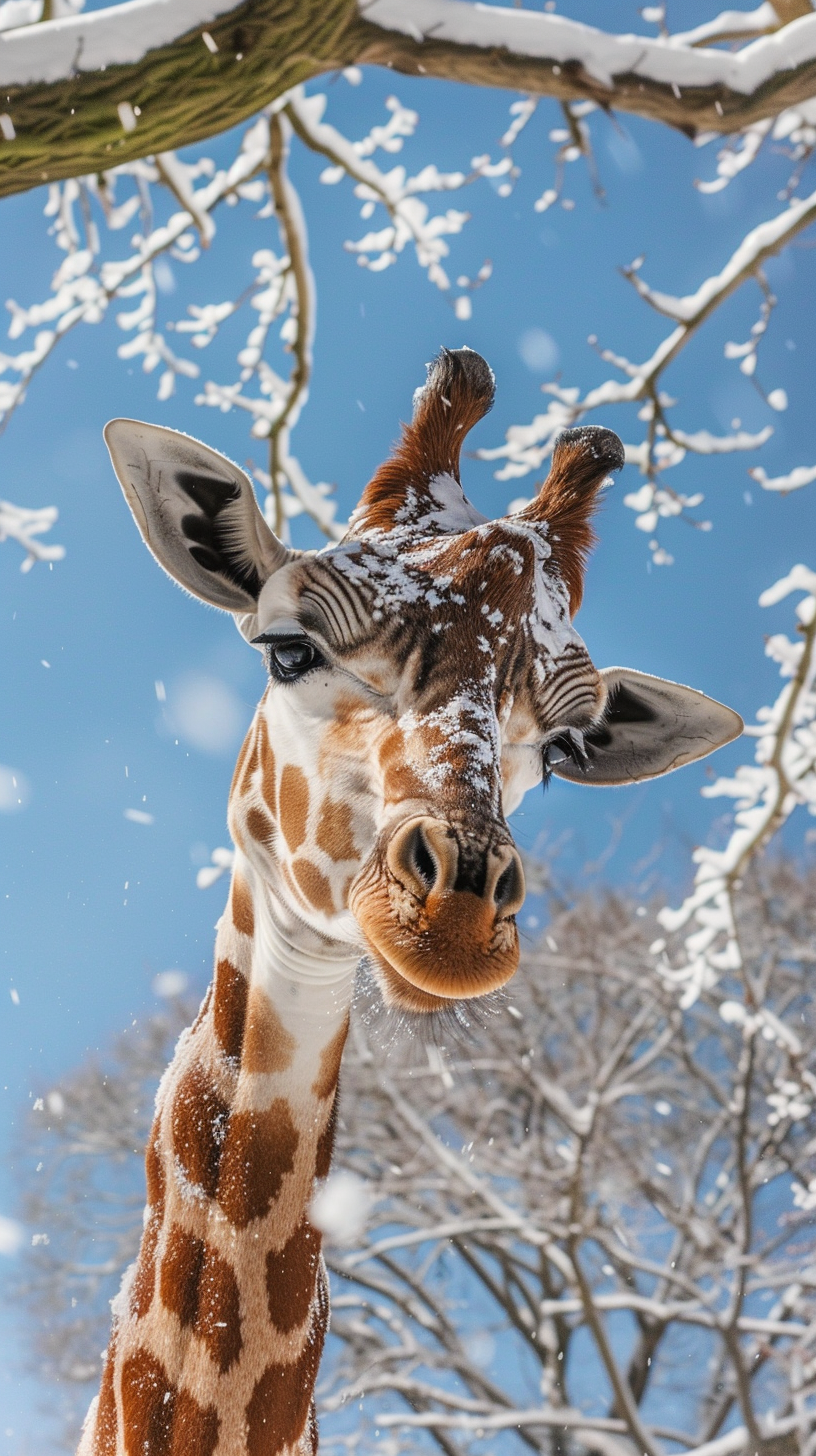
(437, 908)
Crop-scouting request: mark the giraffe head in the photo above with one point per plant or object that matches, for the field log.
(424, 673)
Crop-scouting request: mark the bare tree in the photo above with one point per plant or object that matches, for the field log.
(589, 1226)
(585, 1231)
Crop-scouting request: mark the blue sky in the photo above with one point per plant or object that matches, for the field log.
(95, 905)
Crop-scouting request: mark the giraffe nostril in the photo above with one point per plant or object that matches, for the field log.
(420, 858)
(508, 891)
(422, 855)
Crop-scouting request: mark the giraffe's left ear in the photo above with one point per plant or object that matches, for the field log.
(197, 513)
(650, 726)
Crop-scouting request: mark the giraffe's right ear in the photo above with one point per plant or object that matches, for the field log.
(197, 513)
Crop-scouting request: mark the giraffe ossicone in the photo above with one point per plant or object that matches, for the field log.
(424, 673)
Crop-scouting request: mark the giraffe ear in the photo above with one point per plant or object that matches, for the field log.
(582, 459)
(419, 486)
(650, 726)
(197, 513)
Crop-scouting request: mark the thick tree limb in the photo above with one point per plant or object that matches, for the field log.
(88, 91)
(62, 81)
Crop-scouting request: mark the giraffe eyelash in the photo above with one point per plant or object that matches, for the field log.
(565, 747)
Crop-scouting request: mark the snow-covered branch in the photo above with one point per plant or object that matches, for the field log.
(730, 25)
(782, 778)
(18, 523)
(409, 218)
(664, 445)
(179, 77)
(794, 480)
(84, 286)
(283, 293)
(682, 79)
(603, 57)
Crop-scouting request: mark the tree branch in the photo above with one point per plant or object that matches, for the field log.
(86, 92)
(288, 212)
(20, 524)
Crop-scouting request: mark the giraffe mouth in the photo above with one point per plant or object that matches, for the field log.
(400, 994)
(447, 956)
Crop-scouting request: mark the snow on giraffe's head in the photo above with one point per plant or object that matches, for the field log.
(424, 673)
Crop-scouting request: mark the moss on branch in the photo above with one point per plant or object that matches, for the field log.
(184, 92)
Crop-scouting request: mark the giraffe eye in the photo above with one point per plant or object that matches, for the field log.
(288, 660)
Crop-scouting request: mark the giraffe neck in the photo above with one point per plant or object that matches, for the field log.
(219, 1326)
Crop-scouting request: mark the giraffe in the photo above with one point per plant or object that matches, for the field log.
(424, 673)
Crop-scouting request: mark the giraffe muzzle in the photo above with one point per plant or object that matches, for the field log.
(439, 911)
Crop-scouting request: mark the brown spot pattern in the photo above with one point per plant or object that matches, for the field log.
(269, 785)
(314, 885)
(195, 1427)
(198, 1122)
(158, 1418)
(325, 1144)
(290, 1278)
(154, 1171)
(313, 1431)
(259, 1150)
(399, 779)
(105, 1424)
(268, 1046)
(200, 1287)
(144, 1280)
(330, 1058)
(294, 805)
(259, 826)
(281, 1402)
(334, 830)
(243, 912)
(247, 763)
(180, 1274)
(219, 1314)
(229, 1007)
(146, 1412)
